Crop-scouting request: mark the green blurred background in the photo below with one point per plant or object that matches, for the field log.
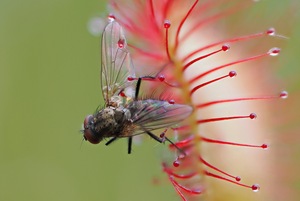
(49, 81)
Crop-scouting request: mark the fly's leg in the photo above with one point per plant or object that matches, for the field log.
(180, 150)
(158, 139)
(115, 138)
(162, 140)
(137, 91)
(138, 84)
(159, 78)
(110, 141)
(129, 145)
(137, 88)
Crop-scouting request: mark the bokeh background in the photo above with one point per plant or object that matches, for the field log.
(49, 81)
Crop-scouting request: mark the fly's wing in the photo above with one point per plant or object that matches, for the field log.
(116, 63)
(155, 114)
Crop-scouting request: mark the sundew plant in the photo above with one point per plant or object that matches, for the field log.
(183, 55)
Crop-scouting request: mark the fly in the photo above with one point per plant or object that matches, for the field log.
(124, 115)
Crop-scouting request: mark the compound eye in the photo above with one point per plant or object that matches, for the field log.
(88, 134)
(87, 121)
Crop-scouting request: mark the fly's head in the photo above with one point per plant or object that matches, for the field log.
(106, 123)
(89, 130)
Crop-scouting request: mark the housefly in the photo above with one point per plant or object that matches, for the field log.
(124, 114)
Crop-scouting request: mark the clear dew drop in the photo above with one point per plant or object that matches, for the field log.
(111, 18)
(172, 102)
(225, 47)
(265, 146)
(253, 116)
(122, 94)
(167, 24)
(255, 187)
(284, 94)
(232, 74)
(130, 78)
(271, 31)
(161, 78)
(176, 163)
(121, 43)
(274, 52)
(238, 179)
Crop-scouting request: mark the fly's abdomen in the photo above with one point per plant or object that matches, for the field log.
(153, 114)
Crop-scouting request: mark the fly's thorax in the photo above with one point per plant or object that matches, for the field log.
(110, 121)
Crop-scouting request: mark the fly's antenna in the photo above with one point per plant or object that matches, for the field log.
(83, 138)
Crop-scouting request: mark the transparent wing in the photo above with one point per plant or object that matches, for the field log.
(116, 63)
(155, 114)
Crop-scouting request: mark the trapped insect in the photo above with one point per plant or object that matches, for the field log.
(124, 114)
